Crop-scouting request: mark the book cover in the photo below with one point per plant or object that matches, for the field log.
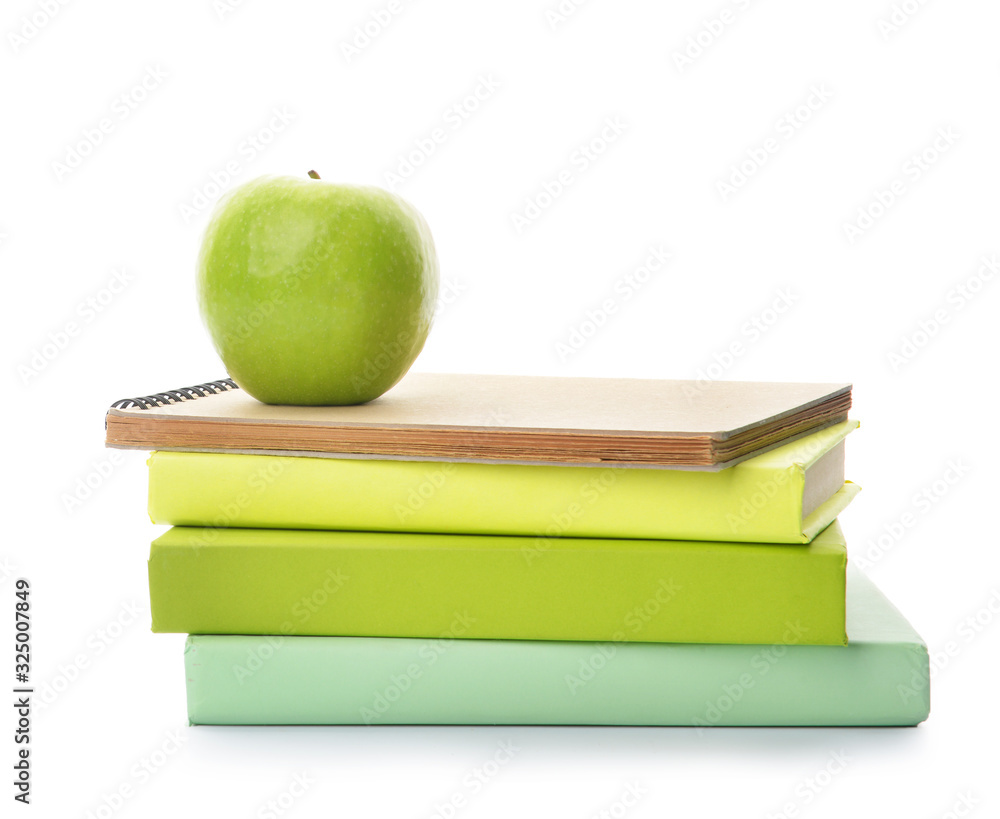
(496, 418)
(386, 584)
(787, 495)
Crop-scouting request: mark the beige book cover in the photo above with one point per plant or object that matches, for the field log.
(496, 418)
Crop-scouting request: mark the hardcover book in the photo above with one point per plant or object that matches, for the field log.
(787, 495)
(387, 584)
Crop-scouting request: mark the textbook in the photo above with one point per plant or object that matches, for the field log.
(389, 584)
(881, 678)
(496, 418)
(787, 495)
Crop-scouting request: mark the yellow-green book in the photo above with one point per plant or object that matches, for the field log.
(392, 584)
(786, 495)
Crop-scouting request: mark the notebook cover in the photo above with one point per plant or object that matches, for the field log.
(881, 678)
(759, 500)
(276, 581)
(496, 417)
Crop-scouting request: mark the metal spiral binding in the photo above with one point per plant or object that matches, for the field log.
(176, 396)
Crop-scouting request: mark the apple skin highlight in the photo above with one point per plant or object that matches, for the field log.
(316, 293)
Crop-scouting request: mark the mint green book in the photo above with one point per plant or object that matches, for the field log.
(786, 495)
(391, 584)
(880, 678)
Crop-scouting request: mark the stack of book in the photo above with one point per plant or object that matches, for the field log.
(515, 550)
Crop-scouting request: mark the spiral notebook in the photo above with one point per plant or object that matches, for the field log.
(495, 418)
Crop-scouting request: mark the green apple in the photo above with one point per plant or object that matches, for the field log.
(314, 292)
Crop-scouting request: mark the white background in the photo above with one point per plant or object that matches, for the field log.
(514, 295)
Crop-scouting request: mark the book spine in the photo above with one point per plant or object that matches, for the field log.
(359, 681)
(264, 491)
(244, 581)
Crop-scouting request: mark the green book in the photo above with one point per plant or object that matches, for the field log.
(389, 584)
(787, 495)
(881, 678)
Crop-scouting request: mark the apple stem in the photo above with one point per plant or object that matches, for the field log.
(313, 175)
